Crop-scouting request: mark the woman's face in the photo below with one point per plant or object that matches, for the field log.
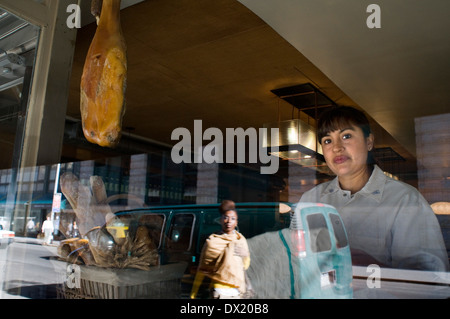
(229, 221)
(346, 150)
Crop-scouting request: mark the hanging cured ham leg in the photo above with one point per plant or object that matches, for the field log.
(103, 81)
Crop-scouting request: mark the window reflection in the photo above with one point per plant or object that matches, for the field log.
(136, 178)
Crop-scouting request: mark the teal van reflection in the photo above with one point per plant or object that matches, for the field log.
(309, 259)
(300, 253)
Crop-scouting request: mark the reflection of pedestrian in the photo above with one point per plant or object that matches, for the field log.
(75, 233)
(224, 258)
(47, 229)
(69, 230)
(30, 227)
(72, 230)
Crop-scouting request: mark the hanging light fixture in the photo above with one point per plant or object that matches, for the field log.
(297, 139)
(296, 142)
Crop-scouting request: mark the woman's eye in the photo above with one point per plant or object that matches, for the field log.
(346, 136)
(326, 141)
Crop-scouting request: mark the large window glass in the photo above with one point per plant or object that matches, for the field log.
(204, 84)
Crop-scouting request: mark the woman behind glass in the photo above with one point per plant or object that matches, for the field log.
(388, 222)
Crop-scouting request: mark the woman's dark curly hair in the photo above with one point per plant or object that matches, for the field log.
(227, 205)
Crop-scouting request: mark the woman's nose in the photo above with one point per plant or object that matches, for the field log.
(337, 146)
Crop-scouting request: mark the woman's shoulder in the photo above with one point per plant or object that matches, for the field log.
(403, 192)
(389, 185)
(398, 186)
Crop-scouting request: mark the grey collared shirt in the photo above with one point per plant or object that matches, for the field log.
(389, 220)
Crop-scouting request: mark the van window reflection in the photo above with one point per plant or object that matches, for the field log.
(319, 234)
(180, 232)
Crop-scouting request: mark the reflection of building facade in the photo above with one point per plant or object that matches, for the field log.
(31, 199)
(145, 179)
(433, 157)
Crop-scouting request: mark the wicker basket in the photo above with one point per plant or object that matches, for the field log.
(160, 282)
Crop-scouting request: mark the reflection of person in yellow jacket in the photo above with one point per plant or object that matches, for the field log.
(224, 258)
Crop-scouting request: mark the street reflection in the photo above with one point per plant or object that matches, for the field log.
(30, 270)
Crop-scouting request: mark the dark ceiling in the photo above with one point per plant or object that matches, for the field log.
(210, 60)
